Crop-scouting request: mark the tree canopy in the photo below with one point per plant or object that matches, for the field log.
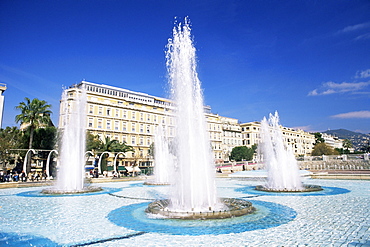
(242, 153)
(10, 138)
(347, 144)
(318, 138)
(95, 144)
(34, 113)
(323, 149)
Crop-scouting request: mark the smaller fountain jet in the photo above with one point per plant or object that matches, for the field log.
(282, 168)
(163, 159)
(71, 174)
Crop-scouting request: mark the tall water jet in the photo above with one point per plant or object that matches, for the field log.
(72, 150)
(282, 167)
(194, 189)
(71, 169)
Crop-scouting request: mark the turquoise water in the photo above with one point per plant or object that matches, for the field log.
(338, 215)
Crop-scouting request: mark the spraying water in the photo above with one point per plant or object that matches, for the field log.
(162, 157)
(72, 150)
(281, 165)
(194, 187)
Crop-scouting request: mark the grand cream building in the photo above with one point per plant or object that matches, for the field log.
(133, 117)
(302, 142)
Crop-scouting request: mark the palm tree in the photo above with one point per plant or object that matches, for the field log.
(114, 146)
(34, 113)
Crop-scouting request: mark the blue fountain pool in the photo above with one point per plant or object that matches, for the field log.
(339, 215)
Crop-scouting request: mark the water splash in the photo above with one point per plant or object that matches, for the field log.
(162, 157)
(73, 143)
(194, 189)
(281, 165)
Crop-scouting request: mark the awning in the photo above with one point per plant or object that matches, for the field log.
(122, 168)
(129, 169)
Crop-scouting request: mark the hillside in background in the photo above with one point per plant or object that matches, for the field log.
(358, 139)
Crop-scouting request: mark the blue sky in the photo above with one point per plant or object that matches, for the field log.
(309, 60)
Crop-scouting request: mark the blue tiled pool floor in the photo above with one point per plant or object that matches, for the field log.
(115, 218)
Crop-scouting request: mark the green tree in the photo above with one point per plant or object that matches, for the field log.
(318, 138)
(35, 113)
(347, 144)
(113, 146)
(45, 138)
(10, 138)
(151, 151)
(323, 149)
(93, 142)
(242, 153)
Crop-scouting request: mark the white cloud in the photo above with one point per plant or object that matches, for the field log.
(363, 36)
(313, 93)
(344, 87)
(363, 74)
(354, 114)
(306, 128)
(355, 27)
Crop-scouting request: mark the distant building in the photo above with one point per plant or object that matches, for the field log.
(133, 117)
(302, 142)
(332, 141)
(2, 90)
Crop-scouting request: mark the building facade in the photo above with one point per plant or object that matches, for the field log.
(132, 117)
(302, 142)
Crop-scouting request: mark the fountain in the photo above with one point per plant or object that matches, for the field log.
(71, 174)
(162, 157)
(193, 187)
(282, 168)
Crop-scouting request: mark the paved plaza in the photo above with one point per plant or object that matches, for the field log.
(337, 216)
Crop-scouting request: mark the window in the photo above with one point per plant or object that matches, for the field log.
(141, 128)
(100, 110)
(141, 116)
(100, 123)
(133, 140)
(117, 113)
(116, 124)
(90, 122)
(109, 111)
(133, 127)
(133, 115)
(108, 125)
(91, 109)
(124, 114)
(148, 129)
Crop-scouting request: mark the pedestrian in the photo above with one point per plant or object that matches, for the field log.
(23, 177)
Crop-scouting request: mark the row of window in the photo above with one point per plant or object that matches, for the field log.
(128, 114)
(129, 139)
(106, 124)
